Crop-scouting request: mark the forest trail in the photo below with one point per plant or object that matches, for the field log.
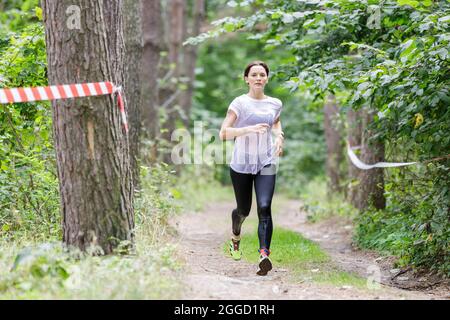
(212, 275)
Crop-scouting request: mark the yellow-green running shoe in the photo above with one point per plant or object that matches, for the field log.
(235, 252)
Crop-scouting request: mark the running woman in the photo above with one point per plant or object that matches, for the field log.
(250, 120)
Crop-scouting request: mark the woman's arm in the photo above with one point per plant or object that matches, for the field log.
(279, 137)
(277, 129)
(227, 132)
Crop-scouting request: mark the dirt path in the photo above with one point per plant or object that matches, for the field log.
(334, 235)
(210, 274)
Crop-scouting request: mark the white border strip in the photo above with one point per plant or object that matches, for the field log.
(68, 91)
(55, 92)
(16, 95)
(80, 90)
(43, 93)
(92, 89)
(361, 165)
(29, 93)
(3, 98)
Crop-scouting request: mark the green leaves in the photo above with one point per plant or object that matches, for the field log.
(38, 11)
(17, 15)
(415, 4)
(41, 262)
(276, 15)
(29, 200)
(407, 50)
(412, 3)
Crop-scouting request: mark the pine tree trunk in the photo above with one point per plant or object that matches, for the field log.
(152, 28)
(133, 60)
(333, 141)
(171, 91)
(371, 186)
(92, 149)
(354, 136)
(191, 59)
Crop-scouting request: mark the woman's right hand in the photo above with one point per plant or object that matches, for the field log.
(258, 128)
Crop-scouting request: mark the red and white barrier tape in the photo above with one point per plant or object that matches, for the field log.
(17, 95)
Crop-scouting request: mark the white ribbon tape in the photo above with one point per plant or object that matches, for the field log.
(361, 165)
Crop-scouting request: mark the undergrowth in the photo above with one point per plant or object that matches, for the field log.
(32, 269)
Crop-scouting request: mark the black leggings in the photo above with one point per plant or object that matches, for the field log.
(264, 189)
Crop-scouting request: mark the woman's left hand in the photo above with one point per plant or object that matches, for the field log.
(279, 141)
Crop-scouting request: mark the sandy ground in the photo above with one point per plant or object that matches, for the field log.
(212, 275)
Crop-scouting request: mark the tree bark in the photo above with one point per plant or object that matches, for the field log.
(152, 27)
(170, 90)
(92, 150)
(333, 141)
(371, 186)
(198, 17)
(133, 60)
(354, 136)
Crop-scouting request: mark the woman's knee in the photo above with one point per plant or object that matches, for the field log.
(265, 210)
(243, 212)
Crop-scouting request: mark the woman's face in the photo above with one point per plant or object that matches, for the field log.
(257, 78)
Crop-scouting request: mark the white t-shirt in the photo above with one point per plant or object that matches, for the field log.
(253, 151)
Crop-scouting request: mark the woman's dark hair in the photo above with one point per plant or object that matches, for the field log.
(256, 63)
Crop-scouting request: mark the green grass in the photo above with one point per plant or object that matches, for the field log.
(304, 258)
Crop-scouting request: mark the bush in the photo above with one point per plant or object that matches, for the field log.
(415, 225)
(29, 200)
